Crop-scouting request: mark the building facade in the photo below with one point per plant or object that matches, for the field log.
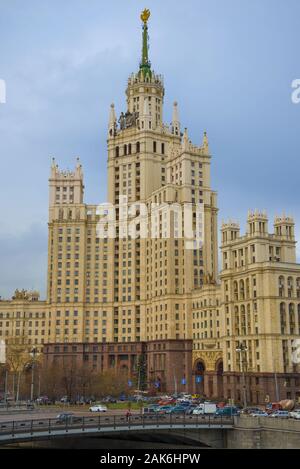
(128, 272)
(261, 308)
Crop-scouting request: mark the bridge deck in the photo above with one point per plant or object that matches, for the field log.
(46, 428)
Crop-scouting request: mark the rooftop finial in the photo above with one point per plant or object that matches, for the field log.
(145, 65)
(145, 15)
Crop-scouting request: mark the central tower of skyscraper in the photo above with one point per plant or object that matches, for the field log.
(132, 287)
(151, 162)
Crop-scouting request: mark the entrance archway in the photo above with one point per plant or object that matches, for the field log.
(199, 370)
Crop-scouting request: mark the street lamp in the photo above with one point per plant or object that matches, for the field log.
(33, 354)
(241, 348)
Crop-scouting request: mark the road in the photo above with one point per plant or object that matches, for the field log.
(45, 413)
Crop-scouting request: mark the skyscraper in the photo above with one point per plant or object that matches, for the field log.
(139, 283)
(137, 277)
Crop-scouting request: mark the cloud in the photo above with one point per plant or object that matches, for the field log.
(23, 261)
(65, 62)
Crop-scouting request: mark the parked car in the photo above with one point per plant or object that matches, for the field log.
(187, 396)
(295, 414)
(258, 413)
(67, 417)
(198, 411)
(190, 409)
(162, 409)
(184, 401)
(43, 400)
(185, 404)
(227, 411)
(166, 401)
(64, 400)
(177, 409)
(151, 409)
(250, 410)
(98, 408)
(282, 414)
(110, 399)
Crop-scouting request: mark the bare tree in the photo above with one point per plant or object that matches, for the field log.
(17, 356)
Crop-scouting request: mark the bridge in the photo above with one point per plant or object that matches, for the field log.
(43, 429)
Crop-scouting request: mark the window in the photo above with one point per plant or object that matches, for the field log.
(282, 318)
(281, 286)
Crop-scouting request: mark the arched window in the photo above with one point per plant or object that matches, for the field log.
(242, 290)
(236, 320)
(117, 152)
(138, 147)
(292, 318)
(282, 318)
(298, 318)
(247, 289)
(129, 149)
(125, 150)
(243, 319)
(235, 290)
(281, 286)
(219, 367)
(290, 286)
(200, 367)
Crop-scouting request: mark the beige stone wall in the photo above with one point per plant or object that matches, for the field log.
(254, 267)
(24, 322)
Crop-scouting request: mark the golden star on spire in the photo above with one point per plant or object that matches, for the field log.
(145, 15)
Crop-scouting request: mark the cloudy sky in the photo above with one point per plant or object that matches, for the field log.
(229, 64)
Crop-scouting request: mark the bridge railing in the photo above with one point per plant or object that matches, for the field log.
(101, 422)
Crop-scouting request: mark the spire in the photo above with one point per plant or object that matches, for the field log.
(78, 168)
(145, 65)
(78, 164)
(175, 120)
(185, 141)
(205, 144)
(112, 121)
(53, 168)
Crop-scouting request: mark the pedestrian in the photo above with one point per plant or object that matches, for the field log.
(128, 415)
